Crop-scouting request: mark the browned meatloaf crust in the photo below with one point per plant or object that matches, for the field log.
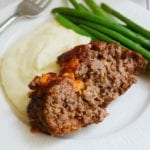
(107, 66)
(90, 77)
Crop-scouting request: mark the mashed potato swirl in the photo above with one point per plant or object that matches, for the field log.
(34, 54)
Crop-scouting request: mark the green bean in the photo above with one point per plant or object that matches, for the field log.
(85, 9)
(134, 26)
(74, 3)
(105, 22)
(99, 11)
(99, 35)
(114, 35)
(96, 9)
(68, 24)
(77, 5)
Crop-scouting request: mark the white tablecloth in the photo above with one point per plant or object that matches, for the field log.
(143, 3)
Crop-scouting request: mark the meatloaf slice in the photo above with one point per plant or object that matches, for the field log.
(91, 76)
(107, 66)
(58, 106)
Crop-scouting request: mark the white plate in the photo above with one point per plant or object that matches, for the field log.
(126, 128)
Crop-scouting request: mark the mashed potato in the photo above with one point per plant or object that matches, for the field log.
(33, 54)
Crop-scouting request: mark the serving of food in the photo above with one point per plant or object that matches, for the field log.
(91, 76)
(63, 75)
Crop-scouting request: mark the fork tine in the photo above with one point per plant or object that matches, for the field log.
(44, 3)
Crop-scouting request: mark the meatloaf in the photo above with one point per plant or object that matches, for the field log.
(90, 77)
